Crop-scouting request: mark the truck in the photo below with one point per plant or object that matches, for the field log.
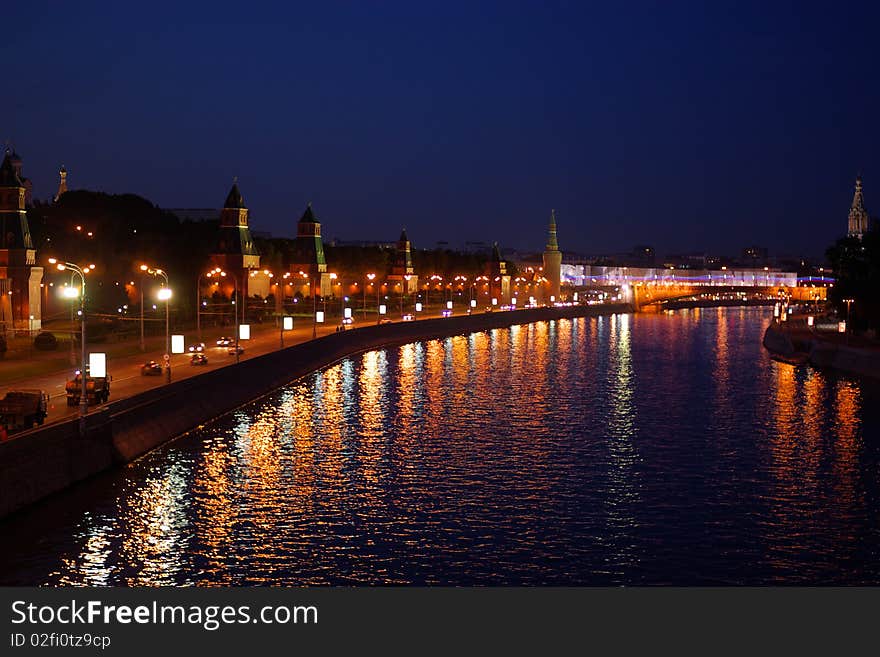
(22, 409)
(97, 389)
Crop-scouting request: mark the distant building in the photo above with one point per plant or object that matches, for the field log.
(499, 279)
(643, 256)
(553, 259)
(858, 216)
(363, 244)
(235, 251)
(20, 298)
(754, 256)
(195, 214)
(15, 162)
(402, 265)
(307, 263)
(62, 184)
(687, 261)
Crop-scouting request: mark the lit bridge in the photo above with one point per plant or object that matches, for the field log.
(649, 288)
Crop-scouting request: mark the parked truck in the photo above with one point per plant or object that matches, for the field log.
(22, 409)
(97, 389)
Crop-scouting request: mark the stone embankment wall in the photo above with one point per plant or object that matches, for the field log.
(850, 360)
(43, 461)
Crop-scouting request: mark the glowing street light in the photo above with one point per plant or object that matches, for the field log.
(81, 271)
(214, 272)
(163, 295)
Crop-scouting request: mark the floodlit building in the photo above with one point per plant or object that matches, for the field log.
(308, 266)
(234, 251)
(20, 278)
(553, 259)
(858, 216)
(402, 266)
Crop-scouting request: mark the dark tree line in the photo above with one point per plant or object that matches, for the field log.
(856, 263)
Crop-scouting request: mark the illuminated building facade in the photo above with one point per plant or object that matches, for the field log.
(402, 266)
(235, 251)
(308, 255)
(499, 279)
(20, 307)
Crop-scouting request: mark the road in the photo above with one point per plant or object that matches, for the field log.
(125, 372)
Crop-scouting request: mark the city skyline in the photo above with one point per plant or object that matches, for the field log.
(639, 127)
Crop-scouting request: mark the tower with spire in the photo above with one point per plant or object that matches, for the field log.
(402, 266)
(553, 260)
(499, 279)
(62, 184)
(235, 251)
(858, 216)
(308, 256)
(20, 278)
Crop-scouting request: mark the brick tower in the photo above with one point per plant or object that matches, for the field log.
(308, 256)
(553, 259)
(20, 278)
(235, 251)
(402, 266)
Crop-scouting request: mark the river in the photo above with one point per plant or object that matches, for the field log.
(620, 450)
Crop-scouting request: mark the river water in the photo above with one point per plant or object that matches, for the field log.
(650, 449)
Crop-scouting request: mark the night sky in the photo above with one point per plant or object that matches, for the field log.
(690, 127)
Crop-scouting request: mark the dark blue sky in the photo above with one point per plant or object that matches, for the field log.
(692, 127)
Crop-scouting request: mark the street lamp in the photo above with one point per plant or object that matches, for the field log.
(209, 274)
(403, 289)
(848, 303)
(83, 397)
(143, 343)
(370, 277)
(163, 295)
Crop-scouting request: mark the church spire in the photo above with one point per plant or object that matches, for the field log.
(858, 216)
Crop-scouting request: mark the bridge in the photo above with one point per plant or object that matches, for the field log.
(647, 289)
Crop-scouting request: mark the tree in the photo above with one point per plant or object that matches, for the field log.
(856, 263)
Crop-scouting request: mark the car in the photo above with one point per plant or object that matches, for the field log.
(151, 368)
(197, 348)
(446, 313)
(232, 349)
(385, 321)
(408, 318)
(225, 341)
(348, 320)
(198, 359)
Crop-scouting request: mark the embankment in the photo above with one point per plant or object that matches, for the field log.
(43, 461)
(859, 361)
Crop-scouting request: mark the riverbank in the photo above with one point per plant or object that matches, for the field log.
(795, 341)
(43, 461)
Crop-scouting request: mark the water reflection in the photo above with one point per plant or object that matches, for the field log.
(607, 450)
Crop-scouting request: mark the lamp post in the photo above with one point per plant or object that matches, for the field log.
(403, 290)
(143, 343)
(848, 303)
(209, 274)
(314, 310)
(83, 397)
(164, 295)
